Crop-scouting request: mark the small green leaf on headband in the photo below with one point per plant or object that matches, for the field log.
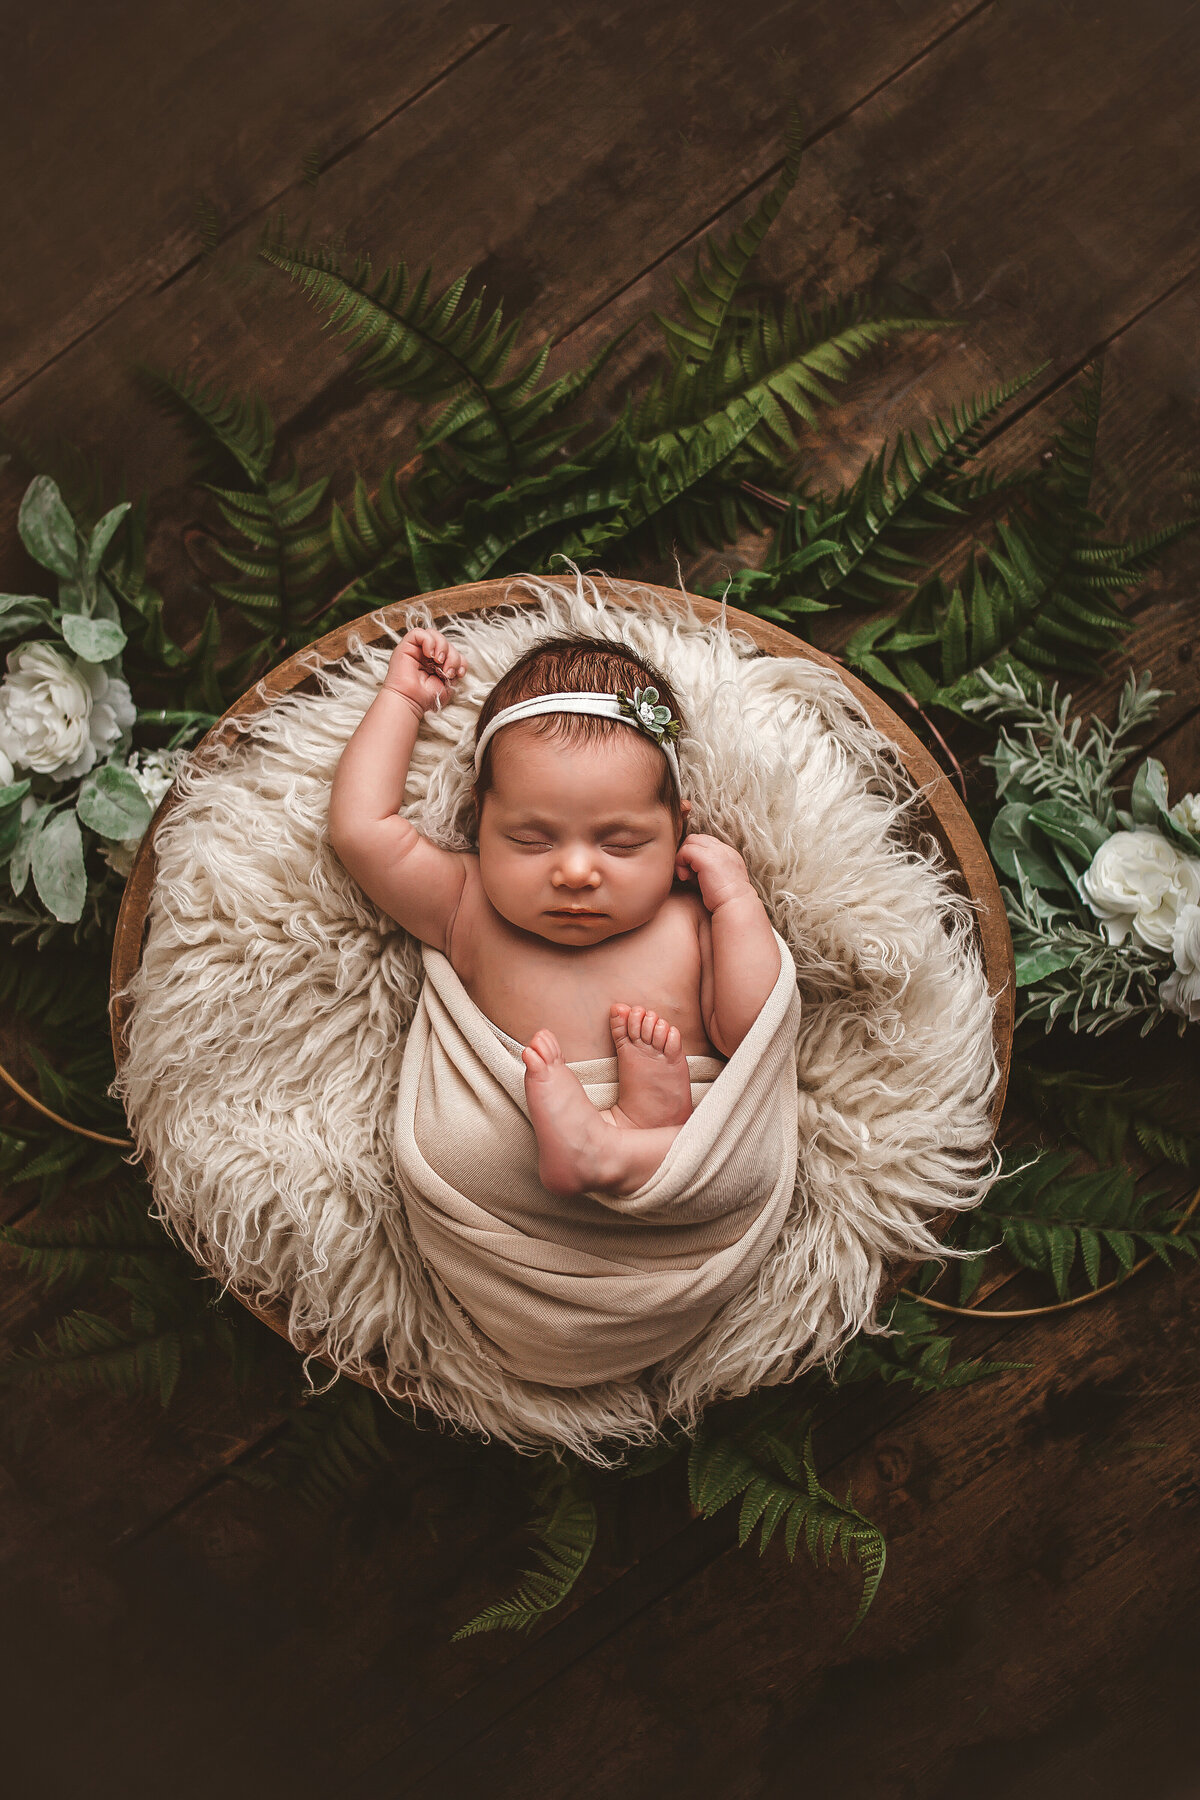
(650, 718)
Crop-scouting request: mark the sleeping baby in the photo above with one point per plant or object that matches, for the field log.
(596, 1130)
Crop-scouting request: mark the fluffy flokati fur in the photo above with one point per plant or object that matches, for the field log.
(272, 1001)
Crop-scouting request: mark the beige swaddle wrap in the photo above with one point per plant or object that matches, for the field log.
(569, 1292)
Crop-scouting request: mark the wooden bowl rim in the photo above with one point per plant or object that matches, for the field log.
(949, 820)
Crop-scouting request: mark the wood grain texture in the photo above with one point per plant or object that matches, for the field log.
(557, 162)
(191, 117)
(1013, 1639)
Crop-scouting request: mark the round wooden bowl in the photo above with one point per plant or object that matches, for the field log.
(946, 818)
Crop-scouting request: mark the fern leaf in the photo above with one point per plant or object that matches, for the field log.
(233, 437)
(327, 1445)
(718, 276)
(438, 348)
(89, 1351)
(566, 1532)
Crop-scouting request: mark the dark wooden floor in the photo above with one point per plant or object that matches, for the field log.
(1031, 167)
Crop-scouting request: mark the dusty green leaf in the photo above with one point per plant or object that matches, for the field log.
(1013, 841)
(112, 803)
(58, 871)
(47, 528)
(102, 536)
(96, 640)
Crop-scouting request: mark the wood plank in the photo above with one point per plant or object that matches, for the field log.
(556, 204)
(173, 123)
(726, 1683)
(290, 1614)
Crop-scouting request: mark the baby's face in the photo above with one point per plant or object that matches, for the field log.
(574, 844)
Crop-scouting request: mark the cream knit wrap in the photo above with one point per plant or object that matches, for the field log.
(570, 1292)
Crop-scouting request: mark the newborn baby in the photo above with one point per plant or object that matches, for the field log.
(596, 1128)
(570, 929)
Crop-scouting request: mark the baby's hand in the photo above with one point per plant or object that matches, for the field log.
(424, 668)
(717, 867)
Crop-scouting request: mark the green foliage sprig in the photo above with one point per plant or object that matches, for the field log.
(1059, 813)
(565, 1529)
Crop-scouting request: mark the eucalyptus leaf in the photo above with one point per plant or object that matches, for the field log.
(96, 640)
(58, 872)
(47, 528)
(1179, 835)
(22, 613)
(102, 536)
(1077, 831)
(106, 603)
(10, 817)
(18, 868)
(1013, 839)
(11, 797)
(112, 804)
(1148, 795)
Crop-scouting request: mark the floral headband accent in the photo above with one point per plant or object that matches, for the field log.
(648, 716)
(643, 712)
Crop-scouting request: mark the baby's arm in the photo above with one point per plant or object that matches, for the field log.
(410, 878)
(745, 955)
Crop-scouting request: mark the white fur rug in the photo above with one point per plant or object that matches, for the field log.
(270, 1011)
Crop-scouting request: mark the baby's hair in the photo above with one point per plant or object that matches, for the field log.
(577, 665)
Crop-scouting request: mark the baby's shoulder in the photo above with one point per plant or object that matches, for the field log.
(684, 911)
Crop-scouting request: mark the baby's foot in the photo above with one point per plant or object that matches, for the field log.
(574, 1142)
(656, 1084)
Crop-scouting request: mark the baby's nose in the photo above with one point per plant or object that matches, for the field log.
(576, 868)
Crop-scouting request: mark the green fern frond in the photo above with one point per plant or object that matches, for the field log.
(118, 1240)
(779, 1485)
(781, 362)
(280, 553)
(1049, 1219)
(1100, 1113)
(717, 277)
(232, 435)
(566, 1530)
(916, 1352)
(330, 1442)
(1043, 594)
(91, 1352)
(851, 546)
(438, 347)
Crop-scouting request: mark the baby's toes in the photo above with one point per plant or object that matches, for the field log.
(673, 1045)
(618, 1021)
(658, 1036)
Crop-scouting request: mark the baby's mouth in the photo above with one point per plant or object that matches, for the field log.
(575, 912)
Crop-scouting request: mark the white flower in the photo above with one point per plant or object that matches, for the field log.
(154, 771)
(1186, 812)
(1139, 882)
(58, 714)
(7, 773)
(1180, 992)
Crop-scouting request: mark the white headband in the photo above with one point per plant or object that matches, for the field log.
(642, 712)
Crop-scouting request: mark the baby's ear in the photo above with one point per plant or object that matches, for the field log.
(685, 807)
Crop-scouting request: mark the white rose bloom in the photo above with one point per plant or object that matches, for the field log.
(1180, 992)
(1139, 882)
(58, 714)
(1186, 812)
